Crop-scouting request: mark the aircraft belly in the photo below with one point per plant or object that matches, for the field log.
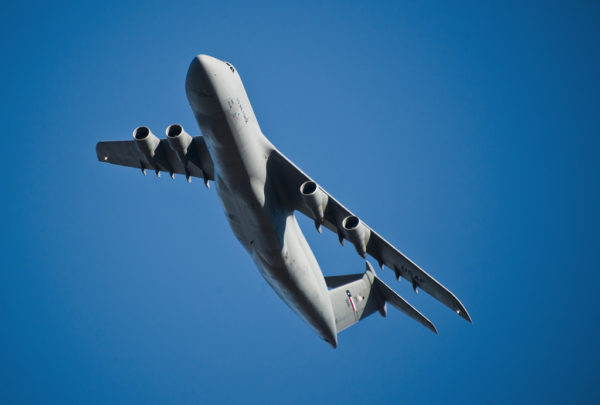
(260, 190)
(296, 278)
(274, 240)
(266, 228)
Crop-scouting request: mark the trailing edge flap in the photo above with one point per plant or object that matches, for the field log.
(356, 296)
(126, 153)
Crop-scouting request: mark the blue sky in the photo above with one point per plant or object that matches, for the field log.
(467, 135)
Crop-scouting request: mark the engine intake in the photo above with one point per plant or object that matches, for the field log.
(146, 142)
(315, 200)
(357, 233)
(179, 141)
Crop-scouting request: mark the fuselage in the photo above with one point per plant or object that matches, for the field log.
(256, 211)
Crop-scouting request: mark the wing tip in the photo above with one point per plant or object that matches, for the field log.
(99, 154)
(462, 312)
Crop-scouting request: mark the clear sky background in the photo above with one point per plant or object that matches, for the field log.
(467, 135)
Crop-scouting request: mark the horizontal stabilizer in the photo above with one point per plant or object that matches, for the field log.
(356, 296)
(400, 303)
(336, 281)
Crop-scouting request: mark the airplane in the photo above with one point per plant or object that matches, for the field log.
(261, 189)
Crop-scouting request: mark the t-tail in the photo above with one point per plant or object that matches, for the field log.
(356, 296)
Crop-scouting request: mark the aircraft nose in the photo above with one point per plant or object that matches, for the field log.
(199, 87)
(197, 81)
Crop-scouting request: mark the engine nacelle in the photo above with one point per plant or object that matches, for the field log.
(315, 200)
(179, 141)
(146, 142)
(357, 233)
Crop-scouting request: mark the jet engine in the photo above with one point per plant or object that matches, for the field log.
(146, 142)
(315, 200)
(357, 233)
(179, 141)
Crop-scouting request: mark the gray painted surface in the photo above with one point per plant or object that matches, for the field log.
(260, 190)
(356, 296)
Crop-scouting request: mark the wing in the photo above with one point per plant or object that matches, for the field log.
(126, 153)
(325, 210)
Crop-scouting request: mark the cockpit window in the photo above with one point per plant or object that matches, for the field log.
(230, 66)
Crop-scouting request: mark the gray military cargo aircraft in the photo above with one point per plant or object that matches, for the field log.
(261, 190)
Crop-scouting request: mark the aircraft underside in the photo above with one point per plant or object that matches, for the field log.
(261, 190)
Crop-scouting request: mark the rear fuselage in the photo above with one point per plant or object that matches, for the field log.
(256, 211)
